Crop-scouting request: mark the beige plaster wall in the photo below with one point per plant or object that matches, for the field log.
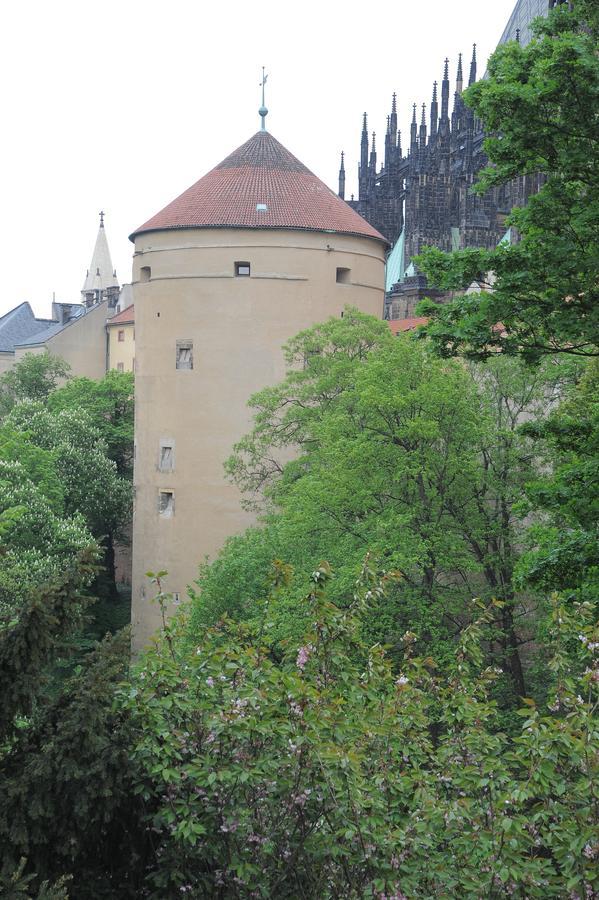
(82, 344)
(7, 361)
(121, 351)
(238, 326)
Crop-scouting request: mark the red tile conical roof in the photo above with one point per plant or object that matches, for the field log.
(260, 185)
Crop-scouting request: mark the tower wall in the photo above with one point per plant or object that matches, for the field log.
(186, 292)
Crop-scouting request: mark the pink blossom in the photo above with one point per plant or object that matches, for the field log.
(303, 655)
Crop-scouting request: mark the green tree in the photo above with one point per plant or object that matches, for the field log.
(68, 804)
(37, 541)
(564, 543)
(92, 486)
(109, 404)
(539, 105)
(405, 456)
(32, 378)
(319, 777)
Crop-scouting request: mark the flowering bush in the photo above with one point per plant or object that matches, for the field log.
(327, 776)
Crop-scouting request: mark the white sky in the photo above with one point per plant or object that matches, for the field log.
(123, 105)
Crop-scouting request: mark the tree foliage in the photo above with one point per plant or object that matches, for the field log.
(331, 775)
(33, 377)
(416, 460)
(565, 540)
(109, 404)
(68, 804)
(539, 105)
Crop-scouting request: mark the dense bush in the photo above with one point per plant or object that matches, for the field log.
(330, 775)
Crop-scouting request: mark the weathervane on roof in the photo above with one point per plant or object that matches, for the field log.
(263, 112)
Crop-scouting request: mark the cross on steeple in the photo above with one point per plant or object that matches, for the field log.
(263, 112)
(101, 218)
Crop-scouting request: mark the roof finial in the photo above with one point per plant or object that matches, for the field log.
(263, 112)
(102, 218)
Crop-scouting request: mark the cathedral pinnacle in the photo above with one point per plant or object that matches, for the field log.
(101, 218)
(472, 77)
(341, 191)
(459, 82)
(263, 111)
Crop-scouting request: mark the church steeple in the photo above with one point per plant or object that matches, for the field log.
(472, 77)
(342, 177)
(100, 282)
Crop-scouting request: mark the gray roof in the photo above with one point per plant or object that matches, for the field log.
(19, 326)
(522, 15)
(51, 328)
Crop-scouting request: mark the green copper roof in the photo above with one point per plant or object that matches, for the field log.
(394, 270)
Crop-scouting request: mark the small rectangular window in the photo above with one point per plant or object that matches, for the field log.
(145, 273)
(343, 275)
(166, 458)
(310, 355)
(121, 336)
(120, 367)
(242, 269)
(166, 504)
(185, 354)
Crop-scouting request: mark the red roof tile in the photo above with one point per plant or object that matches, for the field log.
(125, 317)
(261, 171)
(397, 325)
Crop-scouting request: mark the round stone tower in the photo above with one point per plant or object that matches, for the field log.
(257, 250)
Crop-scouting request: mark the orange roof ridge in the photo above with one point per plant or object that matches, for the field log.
(260, 185)
(125, 316)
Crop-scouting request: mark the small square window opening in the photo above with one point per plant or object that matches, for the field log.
(184, 355)
(343, 275)
(120, 367)
(166, 460)
(166, 504)
(242, 269)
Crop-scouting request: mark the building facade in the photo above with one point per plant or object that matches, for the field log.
(422, 194)
(254, 252)
(79, 332)
(121, 340)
